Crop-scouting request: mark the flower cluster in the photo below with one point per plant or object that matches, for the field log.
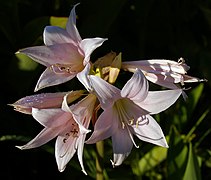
(126, 112)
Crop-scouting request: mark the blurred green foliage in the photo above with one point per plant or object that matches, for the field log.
(140, 30)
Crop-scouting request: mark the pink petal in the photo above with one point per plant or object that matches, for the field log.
(41, 101)
(105, 92)
(50, 78)
(119, 158)
(106, 126)
(81, 112)
(51, 117)
(158, 101)
(43, 137)
(83, 77)
(166, 76)
(165, 79)
(122, 146)
(71, 26)
(55, 54)
(150, 132)
(157, 65)
(64, 151)
(80, 145)
(189, 79)
(136, 88)
(89, 45)
(56, 35)
(128, 110)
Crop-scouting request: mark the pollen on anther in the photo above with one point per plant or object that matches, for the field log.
(123, 125)
(64, 140)
(131, 122)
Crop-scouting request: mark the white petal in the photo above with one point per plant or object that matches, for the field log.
(119, 158)
(105, 126)
(157, 65)
(51, 117)
(158, 101)
(81, 112)
(136, 88)
(80, 143)
(71, 26)
(122, 146)
(83, 77)
(64, 151)
(189, 79)
(164, 79)
(150, 132)
(43, 137)
(65, 53)
(89, 45)
(105, 92)
(50, 78)
(56, 35)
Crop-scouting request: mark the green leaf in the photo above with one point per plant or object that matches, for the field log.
(177, 155)
(192, 169)
(25, 63)
(152, 159)
(188, 136)
(186, 109)
(193, 98)
(13, 138)
(58, 21)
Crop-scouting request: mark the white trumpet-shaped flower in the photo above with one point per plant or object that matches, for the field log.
(127, 112)
(65, 53)
(69, 124)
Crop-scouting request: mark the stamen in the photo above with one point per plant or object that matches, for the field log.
(131, 122)
(138, 122)
(95, 114)
(64, 140)
(143, 119)
(123, 124)
(181, 60)
(131, 137)
(61, 69)
(73, 132)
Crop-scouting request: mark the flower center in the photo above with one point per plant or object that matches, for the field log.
(72, 133)
(65, 69)
(128, 117)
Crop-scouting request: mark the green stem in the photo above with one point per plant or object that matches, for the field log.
(99, 160)
(197, 124)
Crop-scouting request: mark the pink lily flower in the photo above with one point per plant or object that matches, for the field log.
(69, 125)
(166, 73)
(127, 112)
(65, 53)
(44, 101)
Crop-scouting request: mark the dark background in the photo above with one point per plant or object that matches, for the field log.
(165, 29)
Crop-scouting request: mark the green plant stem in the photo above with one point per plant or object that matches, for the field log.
(197, 124)
(99, 160)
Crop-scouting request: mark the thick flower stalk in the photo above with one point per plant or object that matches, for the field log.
(127, 112)
(65, 53)
(69, 124)
(166, 73)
